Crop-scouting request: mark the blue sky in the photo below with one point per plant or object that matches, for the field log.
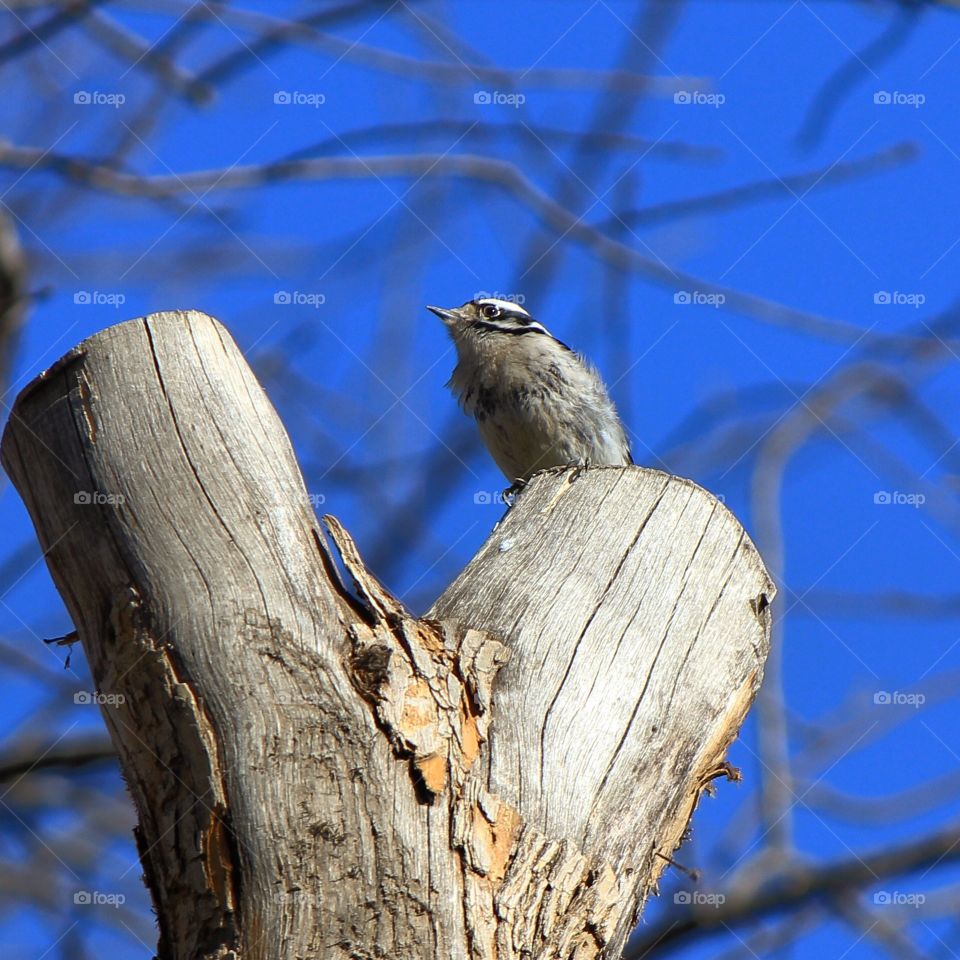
(703, 386)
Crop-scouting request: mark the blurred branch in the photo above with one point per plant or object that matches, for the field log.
(774, 939)
(469, 166)
(145, 55)
(653, 23)
(796, 185)
(72, 754)
(838, 85)
(882, 603)
(906, 804)
(838, 728)
(305, 31)
(68, 14)
(406, 522)
(13, 297)
(811, 413)
(824, 743)
(466, 131)
(14, 565)
(872, 924)
(796, 886)
(275, 33)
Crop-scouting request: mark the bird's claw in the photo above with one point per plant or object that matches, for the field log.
(510, 494)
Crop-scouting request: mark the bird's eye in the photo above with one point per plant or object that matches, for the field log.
(490, 311)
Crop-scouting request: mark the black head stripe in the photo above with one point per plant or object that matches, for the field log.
(513, 325)
(512, 319)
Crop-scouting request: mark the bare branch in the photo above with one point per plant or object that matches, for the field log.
(470, 166)
(799, 885)
(70, 754)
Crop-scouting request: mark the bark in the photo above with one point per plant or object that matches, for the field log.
(318, 773)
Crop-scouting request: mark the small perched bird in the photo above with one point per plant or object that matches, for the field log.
(537, 403)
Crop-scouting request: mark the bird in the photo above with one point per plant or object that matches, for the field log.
(538, 404)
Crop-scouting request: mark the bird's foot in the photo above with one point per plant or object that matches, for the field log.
(511, 492)
(574, 469)
(578, 467)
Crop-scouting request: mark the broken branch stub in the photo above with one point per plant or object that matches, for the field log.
(319, 773)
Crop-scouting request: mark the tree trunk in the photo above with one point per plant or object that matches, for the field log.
(319, 774)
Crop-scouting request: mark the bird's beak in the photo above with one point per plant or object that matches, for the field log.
(447, 316)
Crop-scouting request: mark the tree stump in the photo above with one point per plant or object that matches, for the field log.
(319, 773)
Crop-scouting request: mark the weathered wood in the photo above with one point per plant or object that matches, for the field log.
(637, 615)
(319, 774)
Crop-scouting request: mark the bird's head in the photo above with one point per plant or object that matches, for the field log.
(488, 319)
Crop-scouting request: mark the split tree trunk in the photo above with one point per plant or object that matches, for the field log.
(319, 774)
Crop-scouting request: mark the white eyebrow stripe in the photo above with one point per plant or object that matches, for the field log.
(508, 306)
